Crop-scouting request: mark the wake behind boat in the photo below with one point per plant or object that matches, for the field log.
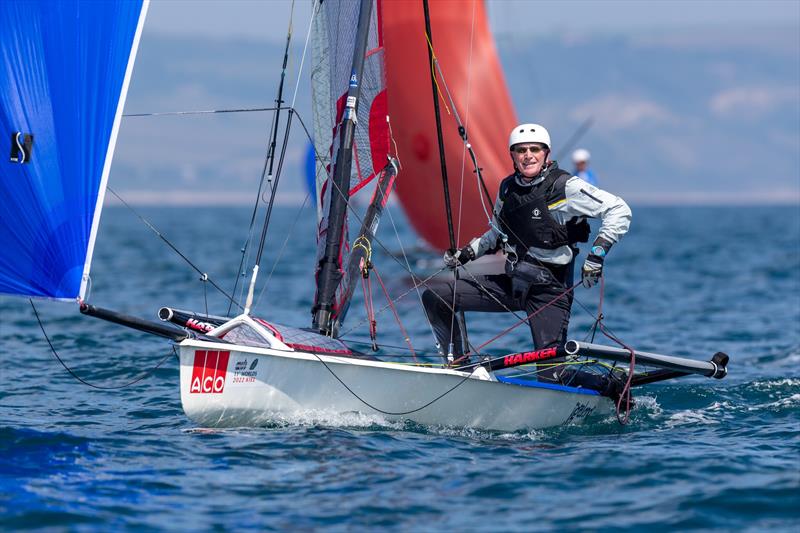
(246, 371)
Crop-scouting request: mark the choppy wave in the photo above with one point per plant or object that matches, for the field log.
(697, 454)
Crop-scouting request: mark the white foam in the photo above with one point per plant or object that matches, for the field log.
(690, 417)
(649, 403)
(481, 434)
(774, 383)
(314, 418)
(790, 401)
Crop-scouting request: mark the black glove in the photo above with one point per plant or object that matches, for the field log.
(593, 266)
(461, 257)
(592, 270)
(578, 230)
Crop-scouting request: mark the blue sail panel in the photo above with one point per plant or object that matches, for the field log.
(64, 72)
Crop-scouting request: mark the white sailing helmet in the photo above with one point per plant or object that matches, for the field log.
(529, 133)
(581, 156)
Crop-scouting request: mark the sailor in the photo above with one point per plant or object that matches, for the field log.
(539, 214)
(580, 158)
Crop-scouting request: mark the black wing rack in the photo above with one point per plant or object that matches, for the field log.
(670, 366)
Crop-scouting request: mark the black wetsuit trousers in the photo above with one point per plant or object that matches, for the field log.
(528, 288)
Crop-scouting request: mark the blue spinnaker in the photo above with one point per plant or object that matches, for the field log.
(64, 72)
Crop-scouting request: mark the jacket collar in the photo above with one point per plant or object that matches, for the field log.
(553, 165)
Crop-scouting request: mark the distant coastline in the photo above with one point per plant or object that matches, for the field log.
(177, 198)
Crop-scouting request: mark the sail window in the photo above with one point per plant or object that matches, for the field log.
(245, 335)
(21, 147)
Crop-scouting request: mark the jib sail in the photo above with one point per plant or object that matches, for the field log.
(338, 84)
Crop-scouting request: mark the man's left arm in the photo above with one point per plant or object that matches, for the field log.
(584, 199)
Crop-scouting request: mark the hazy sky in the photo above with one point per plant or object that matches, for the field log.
(267, 19)
(675, 82)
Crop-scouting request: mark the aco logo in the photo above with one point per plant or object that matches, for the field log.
(209, 371)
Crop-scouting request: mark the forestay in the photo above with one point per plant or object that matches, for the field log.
(64, 73)
(333, 44)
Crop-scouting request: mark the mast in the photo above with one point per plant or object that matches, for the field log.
(445, 182)
(442, 161)
(330, 274)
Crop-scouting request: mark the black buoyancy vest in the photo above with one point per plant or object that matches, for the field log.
(525, 217)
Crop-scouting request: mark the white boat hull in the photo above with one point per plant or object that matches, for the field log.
(252, 386)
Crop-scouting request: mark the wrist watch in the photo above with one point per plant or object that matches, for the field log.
(599, 251)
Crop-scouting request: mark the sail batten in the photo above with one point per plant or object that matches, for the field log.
(64, 72)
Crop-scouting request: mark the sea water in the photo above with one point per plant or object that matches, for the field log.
(696, 454)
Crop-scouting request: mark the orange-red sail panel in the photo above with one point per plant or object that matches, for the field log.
(467, 54)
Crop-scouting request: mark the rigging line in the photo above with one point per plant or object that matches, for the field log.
(282, 108)
(380, 243)
(462, 132)
(396, 316)
(506, 308)
(523, 319)
(268, 215)
(205, 112)
(434, 63)
(463, 324)
(246, 246)
(403, 295)
(469, 61)
(492, 296)
(305, 48)
(381, 345)
(464, 147)
(626, 389)
(398, 413)
(146, 374)
(467, 145)
(442, 160)
(394, 143)
(204, 279)
(400, 297)
(283, 248)
(266, 171)
(425, 281)
(408, 269)
(536, 312)
(318, 157)
(188, 261)
(445, 180)
(279, 100)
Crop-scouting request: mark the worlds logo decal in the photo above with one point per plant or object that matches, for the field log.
(210, 369)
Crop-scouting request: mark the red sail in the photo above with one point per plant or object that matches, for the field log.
(475, 79)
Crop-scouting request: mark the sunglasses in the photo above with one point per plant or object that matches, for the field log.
(533, 149)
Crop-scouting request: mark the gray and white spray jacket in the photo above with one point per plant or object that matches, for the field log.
(564, 197)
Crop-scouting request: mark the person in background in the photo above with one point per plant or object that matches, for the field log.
(580, 158)
(539, 214)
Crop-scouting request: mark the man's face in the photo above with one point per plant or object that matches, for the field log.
(580, 166)
(529, 158)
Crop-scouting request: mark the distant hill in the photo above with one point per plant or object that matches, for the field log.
(701, 116)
